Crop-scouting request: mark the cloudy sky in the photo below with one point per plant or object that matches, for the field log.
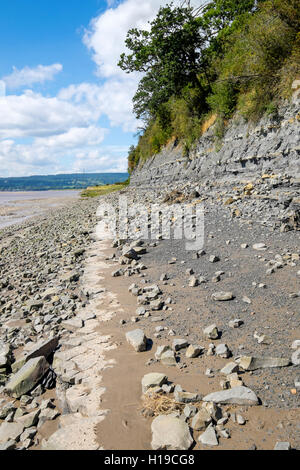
(65, 106)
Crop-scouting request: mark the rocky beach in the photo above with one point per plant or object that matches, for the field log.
(113, 344)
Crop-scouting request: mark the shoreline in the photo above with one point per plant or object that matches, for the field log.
(22, 206)
(99, 386)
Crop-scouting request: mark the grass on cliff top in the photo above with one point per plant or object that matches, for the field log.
(96, 191)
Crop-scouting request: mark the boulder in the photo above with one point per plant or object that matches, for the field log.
(137, 339)
(170, 433)
(153, 380)
(27, 377)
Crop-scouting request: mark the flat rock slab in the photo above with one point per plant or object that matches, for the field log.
(254, 363)
(27, 377)
(43, 348)
(170, 433)
(282, 446)
(79, 436)
(73, 325)
(153, 380)
(10, 432)
(137, 339)
(234, 396)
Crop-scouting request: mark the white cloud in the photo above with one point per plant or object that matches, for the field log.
(27, 76)
(112, 99)
(105, 38)
(62, 133)
(33, 115)
(107, 33)
(46, 156)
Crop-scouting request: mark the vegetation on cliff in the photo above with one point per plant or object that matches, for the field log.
(202, 65)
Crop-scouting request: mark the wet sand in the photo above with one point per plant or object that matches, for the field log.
(16, 207)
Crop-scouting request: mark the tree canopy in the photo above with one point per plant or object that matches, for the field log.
(217, 58)
(168, 55)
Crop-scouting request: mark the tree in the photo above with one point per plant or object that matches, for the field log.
(168, 55)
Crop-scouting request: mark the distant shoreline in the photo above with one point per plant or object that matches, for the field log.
(61, 182)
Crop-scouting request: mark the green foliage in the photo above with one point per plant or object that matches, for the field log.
(256, 54)
(168, 55)
(233, 56)
(97, 191)
(223, 99)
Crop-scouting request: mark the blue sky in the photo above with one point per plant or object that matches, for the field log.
(65, 106)
(46, 32)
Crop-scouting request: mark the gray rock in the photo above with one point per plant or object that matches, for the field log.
(194, 351)
(10, 432)
(222, 351)
(160, 350)
(179, 344)
(222, 296)
(73, 325)
(236, 323)
(9, 445)
(6, 410)
(211, 332)
(153, 380)
(137, 339)
(29, 420)
(230, 368)
(234, 396)
(282, 446)
(296, 357)
(259, 247)
(27, 377)
(168, 358)
(209, 437)
(186, 397)
(201, 420)
(170, 433)
(5, 354)
(254, 363)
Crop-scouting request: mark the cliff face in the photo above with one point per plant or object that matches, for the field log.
(246, 151)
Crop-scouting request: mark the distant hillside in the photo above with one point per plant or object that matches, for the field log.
(48, 182)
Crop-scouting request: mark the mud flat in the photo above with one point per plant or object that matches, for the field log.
(16, 207)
